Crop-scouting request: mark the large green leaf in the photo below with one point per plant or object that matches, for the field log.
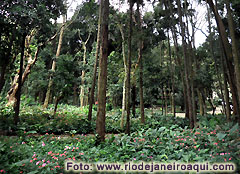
(221, 136)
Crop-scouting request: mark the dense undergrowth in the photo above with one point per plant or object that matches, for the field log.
(39, 148)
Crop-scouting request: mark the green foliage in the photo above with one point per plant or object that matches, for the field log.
(165, 141)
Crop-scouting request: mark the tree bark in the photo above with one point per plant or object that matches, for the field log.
(140, 46)
(102, 77)
(125, 76)
(2, 77)
(82, 91)
(228, 58)
(186, 65)
(56, 103)
(50, 83)
(18, 92)
(14, 88)
(92, 91)
(75, 95)
(128, 84)
(201, 105)
(234, 50)
(213, 56)
(172, 79)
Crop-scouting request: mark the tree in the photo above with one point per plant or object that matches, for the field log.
(92, 91)
(128, 84)
(228, 56)
(186, 65)
(102, 76)
(50, 83)
(25, 16)
(140, 46)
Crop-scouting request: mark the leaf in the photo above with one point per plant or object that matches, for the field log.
(20, 163)
(221, 136)
(161, 129)
(31, 132)
(234, 128)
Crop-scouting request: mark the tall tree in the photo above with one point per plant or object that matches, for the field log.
(125, 75)
(18, 93)
(102, 76)
(228, 56)
(128, 84)
(235, 48)
(92, 91)
(140, 47)
(82, 91)
(186, 65)
(50, 83)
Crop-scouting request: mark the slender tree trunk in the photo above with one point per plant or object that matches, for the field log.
(140, 46)
(191, 58)
(214, 57)
(125, 76)
(226, 95)
(200, 102)
(174, 34)
(56, 103)
(50, 83)
(82, 93)
(234, 50)
(172, 79)
(186, 65)
(83, 98)
(2, 77)
(128, 84)
(18, 93)
(163, 100)
(134, 98)
(91, 98)
(226, 91)
(102, 76)
(75, 95)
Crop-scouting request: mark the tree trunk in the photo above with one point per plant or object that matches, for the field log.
(2, 77)
(228, 58)
(14, 88)
(102, 77)
(128, 84)
(226, 95)
(125, 75)
(75, 95)
(172, 79)
(134, 98)
(56, 103)
(83, 98)
(234, 50)
(186, 65)
(50, 83)
(191, 59)
(226, 91)
(140, 46)
(91, 98)
(82, 93)
(201, 105)
(163, 99)
(18, 92)
(179, 62)
(213, 56)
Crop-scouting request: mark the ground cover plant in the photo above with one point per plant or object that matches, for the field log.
(161, 139)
